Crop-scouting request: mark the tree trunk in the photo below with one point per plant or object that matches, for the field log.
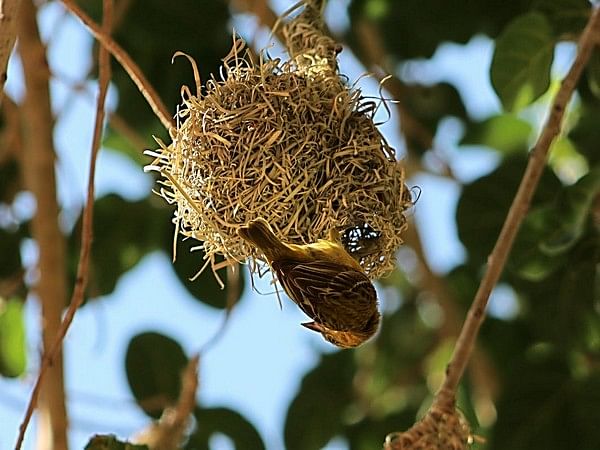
(38, 168)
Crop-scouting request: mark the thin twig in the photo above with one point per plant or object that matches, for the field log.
(169, 431)
(87, 231)
(520, 205)
(132, 69)
(117, 122)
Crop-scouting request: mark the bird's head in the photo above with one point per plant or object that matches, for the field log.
(347, 339)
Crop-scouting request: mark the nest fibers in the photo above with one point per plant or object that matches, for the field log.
(290, 142)
(442, 428)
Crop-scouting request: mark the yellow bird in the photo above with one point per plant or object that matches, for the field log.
(324, 281)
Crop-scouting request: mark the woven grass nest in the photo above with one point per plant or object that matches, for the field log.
(442, 428)
(288, 141)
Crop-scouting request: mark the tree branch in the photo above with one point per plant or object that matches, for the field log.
(8, 34)
(114, 119)
(38, 170)
(432, 282)
(520, 205)
(53, 341)
(132, 69)
(169, 431)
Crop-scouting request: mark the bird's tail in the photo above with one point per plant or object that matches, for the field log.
(259, 233)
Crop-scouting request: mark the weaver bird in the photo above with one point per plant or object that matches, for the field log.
(324, 281)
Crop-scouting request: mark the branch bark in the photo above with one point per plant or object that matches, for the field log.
(169, 432)
(39, 175)
(8, 34)
(132, 69)
(520, 205)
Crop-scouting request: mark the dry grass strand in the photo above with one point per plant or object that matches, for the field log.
(442, 428)
(287, 141)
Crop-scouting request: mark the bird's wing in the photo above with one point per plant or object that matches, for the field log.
(339, 297)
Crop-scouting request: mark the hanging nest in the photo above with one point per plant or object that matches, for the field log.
(288, 141)
(442, 428)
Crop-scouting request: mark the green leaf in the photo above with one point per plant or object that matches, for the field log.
(462, 283)
(550, 230)
(315, 414)
(483, 205)
(416, 28)
(586, 132)
(573, 208)
(544, 408)
(370, 432)
(568, 17)
(505, 133)
(520, 71)
(124, 144)
(124, 232)
(557, 307)
(505, 341)
(154, 363)
(228, 422)
(566, 161)
(205, 287)
(527, 259)
(110, 442)
(593, 72)
(198, 28)
(400, 346)
(430, 104)
(13, 351)
(576, 294)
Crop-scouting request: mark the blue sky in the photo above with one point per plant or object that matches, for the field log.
(258, 365)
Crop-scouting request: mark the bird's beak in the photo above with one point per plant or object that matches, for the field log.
(314, 326)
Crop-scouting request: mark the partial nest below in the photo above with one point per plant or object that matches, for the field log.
(442, 428)
(290, 142)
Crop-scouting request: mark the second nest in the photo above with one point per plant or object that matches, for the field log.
(289, 142)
